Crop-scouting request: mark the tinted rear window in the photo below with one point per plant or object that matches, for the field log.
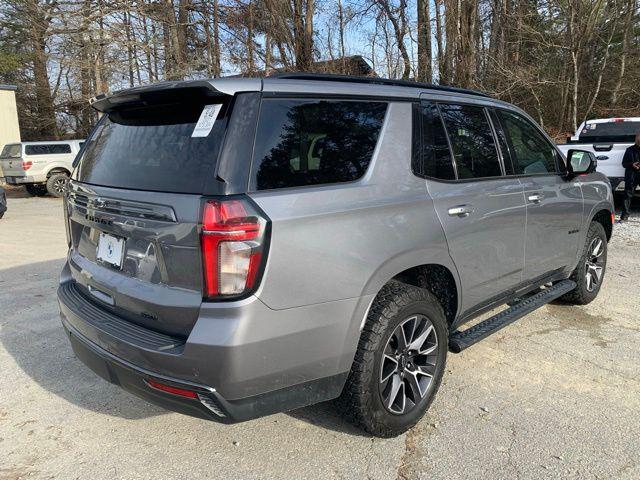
(311, 142)
(47, 149)
(11, 151)
(610, 132)
(152, 149)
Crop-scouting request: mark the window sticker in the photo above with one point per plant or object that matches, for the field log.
(206, 120)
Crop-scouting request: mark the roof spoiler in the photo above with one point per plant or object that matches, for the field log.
(172, 92)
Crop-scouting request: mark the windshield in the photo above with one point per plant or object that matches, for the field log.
(11, 151)
(610, 132)
(152, 149)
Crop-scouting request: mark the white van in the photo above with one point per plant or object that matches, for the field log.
(43, 167)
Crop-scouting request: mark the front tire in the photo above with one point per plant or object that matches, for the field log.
(399, 363)
(589, 273)
(57, 184)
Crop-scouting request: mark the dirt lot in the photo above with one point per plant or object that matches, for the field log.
(555, 395)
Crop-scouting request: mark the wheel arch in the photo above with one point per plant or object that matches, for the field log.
(604, 217)
(438, 280)
(58, 170)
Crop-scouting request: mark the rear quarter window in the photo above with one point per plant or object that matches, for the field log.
(52, 149)
(314, 142)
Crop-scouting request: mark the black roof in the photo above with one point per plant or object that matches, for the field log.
(328, 77)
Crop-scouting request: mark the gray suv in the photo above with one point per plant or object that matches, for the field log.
(239, 247)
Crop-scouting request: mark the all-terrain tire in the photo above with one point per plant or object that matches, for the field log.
(361, 400)
(57, 184)
(581, 295)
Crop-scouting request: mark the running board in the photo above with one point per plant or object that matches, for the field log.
(458, 340)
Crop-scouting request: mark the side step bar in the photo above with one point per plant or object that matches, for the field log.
(458, 341)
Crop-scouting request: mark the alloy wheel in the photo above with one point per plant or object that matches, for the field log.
(408, 364)
(594, 266)
(60, 185)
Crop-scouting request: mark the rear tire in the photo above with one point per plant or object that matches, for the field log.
(36, 190)
(57, 184)
(368, 397)
(590, 271)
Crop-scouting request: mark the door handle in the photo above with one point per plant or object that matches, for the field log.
(461, 211)
(535, 197)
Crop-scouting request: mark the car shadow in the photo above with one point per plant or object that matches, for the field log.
(325, 415)
(15, 192)
(31, 333)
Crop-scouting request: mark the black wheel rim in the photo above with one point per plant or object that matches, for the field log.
(408, 364)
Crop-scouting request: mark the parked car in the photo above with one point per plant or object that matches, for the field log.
(3, 202)
(239, 247)
(42, 167)
(608, 139)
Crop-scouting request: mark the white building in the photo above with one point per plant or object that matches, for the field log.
(9, 128)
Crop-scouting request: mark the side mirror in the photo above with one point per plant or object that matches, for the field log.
(581, 162)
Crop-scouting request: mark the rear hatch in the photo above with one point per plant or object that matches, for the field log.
(11, 161)
(134, 207)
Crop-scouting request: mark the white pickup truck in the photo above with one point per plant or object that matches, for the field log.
(42, 167)
(607, 138)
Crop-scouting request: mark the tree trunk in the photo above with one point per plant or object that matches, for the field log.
(631, 7)
(308, 35)
(38, 26)
(442, 73)
(399, 28)
(217, 70)
(424, 42)
(341, 34)
(250, 63)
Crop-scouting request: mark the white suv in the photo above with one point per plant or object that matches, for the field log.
(43, 167)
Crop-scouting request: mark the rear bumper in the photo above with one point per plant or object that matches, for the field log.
(11, 180)
(209, 404)
(250, 360)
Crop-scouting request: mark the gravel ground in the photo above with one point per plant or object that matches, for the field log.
(555, 395)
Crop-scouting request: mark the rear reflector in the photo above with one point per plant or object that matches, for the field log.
(233, 239)
(169, 389)
(26, 165)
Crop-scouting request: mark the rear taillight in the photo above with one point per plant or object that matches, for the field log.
(233, 245)
(26, 165)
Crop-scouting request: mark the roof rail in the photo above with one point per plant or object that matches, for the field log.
(330, 77)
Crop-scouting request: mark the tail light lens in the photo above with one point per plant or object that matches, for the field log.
(233, 243)
(26, 165)
(170, 389)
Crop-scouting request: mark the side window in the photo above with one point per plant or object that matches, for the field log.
(435, 156)
(474, 148)
(52, 149)
(531, 152)
(312, 142)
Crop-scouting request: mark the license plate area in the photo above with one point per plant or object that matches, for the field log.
(110, 250)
